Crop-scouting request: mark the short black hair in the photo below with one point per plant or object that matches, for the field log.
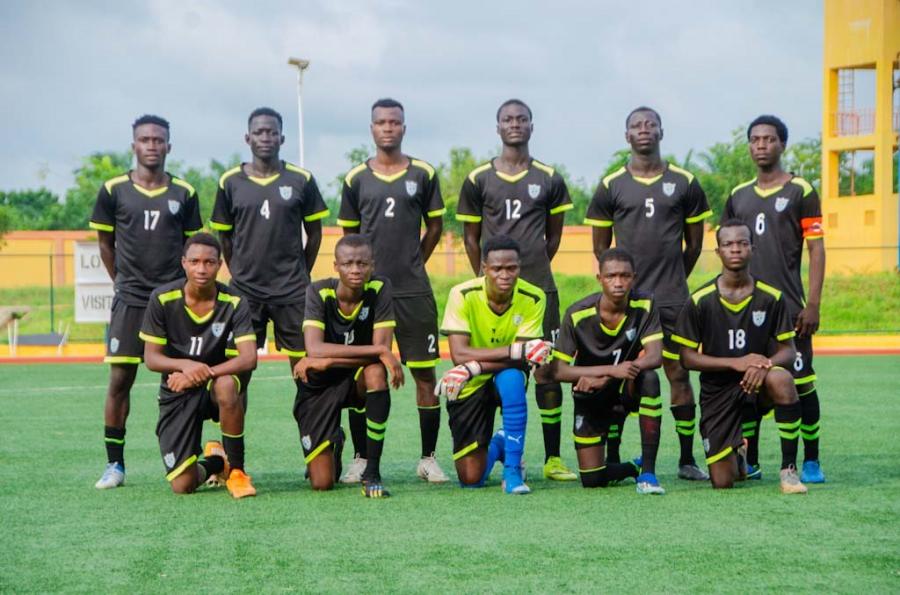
(615, 254)
(353, 240)
(514, 102)
(733, 222)
(204, 239)
(388, 102)
(265, 111)
(500, 242)
(774, 121)
(643, 108)
(151, 119)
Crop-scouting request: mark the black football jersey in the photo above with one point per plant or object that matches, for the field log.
(721, 329)
(389, 210)
(150, 227)
(585, 341)
(169, 322)
(517, 206)
(265, 216)
(648, 216)
(780, 218)
(375, 310)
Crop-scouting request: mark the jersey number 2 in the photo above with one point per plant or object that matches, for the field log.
(389, 210)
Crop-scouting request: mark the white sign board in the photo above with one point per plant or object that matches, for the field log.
(93, 288)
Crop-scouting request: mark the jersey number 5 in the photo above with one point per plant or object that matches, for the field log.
(648, 204)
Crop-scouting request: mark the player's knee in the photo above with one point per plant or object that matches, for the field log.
(322, 482)
(121, 379)
(375, 377)
(184, 483)
(721, 483)
(594, 479)
(226, 390)
(469, 477)
(510, 384)
(543, 375)
(647, 383)
(780, 386)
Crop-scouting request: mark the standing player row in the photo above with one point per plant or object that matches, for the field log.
(262, 205)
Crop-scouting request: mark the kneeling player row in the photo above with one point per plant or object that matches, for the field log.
(608, 349)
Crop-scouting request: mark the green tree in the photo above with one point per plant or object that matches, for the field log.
(94, 171)
(452, 174)
(722, 167)
(205, 180)
(31, 209)
(331, 193)
(805, 159)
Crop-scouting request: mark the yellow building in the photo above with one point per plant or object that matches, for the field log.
(861, 49)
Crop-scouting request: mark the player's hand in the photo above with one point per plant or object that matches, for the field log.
(455, 379)
(752, 360)
(178, 382)
(309, 364)
(536, 352)
(753, 379)
(196, 372)
(807, 321)
(394, 368)
(626, 371)
(589, 384)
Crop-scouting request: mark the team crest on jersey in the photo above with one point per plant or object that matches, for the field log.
(579, 421)
(668, 188)
(517, 319)
(286, 192)
(218, 328)
(169, 459)
(630, 333)
(307, 442)
(113, 345)
(364, 313)
(174, 207)
(534, 190)
(759, 317)
(411, 187)
(781, 203)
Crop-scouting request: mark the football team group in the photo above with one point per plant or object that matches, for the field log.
(748, 331)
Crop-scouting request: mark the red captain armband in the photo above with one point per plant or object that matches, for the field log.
(812, 227)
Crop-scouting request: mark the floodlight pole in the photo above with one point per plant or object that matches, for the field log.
(301, 65)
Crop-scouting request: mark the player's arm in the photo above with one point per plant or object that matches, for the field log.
(808, 319)
(342, 356)
(472, 242)
(693, 245)
(554, 233)
(601, 238)
(227, 239)
(313, 241)
(433, 228)
(107, 242)
(492, 359)
(157, 361)
(244, 362)
(697, 210)
(692, 359)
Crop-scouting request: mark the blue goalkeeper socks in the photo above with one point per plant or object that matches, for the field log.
(495, 452)
(510, 385)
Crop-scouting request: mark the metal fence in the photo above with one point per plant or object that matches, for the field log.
(44, 282)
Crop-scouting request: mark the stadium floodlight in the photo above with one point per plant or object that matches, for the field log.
(301, 65)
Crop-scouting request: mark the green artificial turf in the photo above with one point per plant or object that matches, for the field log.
(60, 534)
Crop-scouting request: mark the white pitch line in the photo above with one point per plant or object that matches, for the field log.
(63, 389)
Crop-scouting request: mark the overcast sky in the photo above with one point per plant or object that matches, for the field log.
(76, 74)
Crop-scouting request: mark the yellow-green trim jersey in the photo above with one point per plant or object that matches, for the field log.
(648, 217)
(185, 335)
(721, 329)
(469, 313)
(585, 341)
(150, 227)
(781, 219)
(375, 310)
(389, 210)
(264, 217)
(517, 206)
